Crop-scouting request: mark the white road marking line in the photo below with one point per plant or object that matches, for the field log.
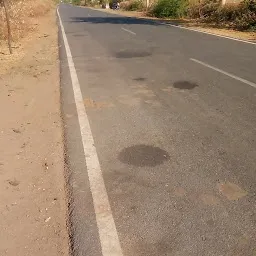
(129, 31)
(110, 243)
(208, 33)
(225, 73)
(89, 15)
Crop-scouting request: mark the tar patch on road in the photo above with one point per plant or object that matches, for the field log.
(143, 155)
(132, 54)
(184, 85)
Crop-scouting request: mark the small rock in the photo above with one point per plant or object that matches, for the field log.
(14, 182)
(16, 130)
(23, 145)
(47, 219)
(46, 166)
(203, 238)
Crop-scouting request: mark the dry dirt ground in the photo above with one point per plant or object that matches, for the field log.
(250, 36)
(32, 192)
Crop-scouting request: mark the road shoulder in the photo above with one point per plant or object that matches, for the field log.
(32, 190)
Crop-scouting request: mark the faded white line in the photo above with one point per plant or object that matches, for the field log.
(110, 243)
(129, 31)
(208, 33)
(225, 73)
(89, 15)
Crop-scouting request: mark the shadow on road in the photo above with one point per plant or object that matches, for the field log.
(116, 20)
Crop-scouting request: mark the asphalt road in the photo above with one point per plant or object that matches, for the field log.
(172, 114)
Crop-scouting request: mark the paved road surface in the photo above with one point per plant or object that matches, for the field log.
(172, 114)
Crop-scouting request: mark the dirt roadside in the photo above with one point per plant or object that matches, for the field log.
(250, 36)
(32, 194)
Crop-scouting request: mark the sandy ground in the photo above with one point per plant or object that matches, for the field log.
(250, 36)
(32, 194)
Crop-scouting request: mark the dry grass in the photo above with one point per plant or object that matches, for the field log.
(26, 18)
(23, 14)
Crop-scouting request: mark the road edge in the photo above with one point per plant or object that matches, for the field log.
(106, 229)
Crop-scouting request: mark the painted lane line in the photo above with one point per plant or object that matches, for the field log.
(129, 31)
(89, 15)
(110, 243)
(208, 33)
(225, 73)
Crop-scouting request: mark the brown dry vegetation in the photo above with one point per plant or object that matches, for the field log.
(23, 15)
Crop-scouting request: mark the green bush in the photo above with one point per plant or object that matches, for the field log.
(111, 2)
(170, 8)
(226, 13)
(76, 2)
(245, 17)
